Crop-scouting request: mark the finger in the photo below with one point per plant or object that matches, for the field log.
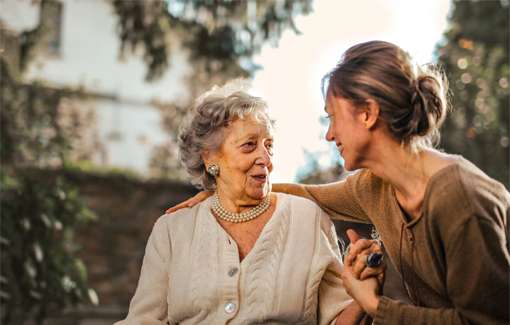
(352, 235)
(346, 276)
(186, 204)
(201, 196)
(360, 245)
(371, 272)
(359, 265)
(380, 278)
(381, 269)
(177, 207)
(360, 248)
(374, 248)
(347, 280)
(357, 248)
(194, 200)
(204, 194)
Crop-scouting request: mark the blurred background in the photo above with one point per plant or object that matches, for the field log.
(93, 92)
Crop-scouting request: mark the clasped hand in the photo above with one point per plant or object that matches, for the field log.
(361, 281)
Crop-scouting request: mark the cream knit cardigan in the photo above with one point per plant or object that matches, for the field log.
(191, 272)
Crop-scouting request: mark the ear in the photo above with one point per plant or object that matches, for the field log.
(207, 157)
(370, 113)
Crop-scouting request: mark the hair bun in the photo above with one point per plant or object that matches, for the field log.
(418, 120)
(428, 104)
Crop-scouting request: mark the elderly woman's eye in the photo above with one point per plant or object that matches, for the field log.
(269, 147)
(249, 144)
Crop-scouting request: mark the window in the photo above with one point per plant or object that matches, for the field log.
(51, 25)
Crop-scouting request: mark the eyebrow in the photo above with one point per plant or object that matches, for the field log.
(249, 136)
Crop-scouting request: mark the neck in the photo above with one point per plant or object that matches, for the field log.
(407, 172)
(236, 203)
(403, 169)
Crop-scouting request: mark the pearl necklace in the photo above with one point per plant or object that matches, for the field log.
(244, 216)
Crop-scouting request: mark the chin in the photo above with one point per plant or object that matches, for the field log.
(260, 193)
(349, 165)
(348, 168)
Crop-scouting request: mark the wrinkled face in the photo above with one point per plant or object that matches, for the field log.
(245, 160)
(347, 131)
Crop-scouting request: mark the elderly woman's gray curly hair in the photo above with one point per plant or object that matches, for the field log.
(205, 125)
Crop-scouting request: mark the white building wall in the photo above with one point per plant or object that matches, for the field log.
(89, 58)
(130, 131)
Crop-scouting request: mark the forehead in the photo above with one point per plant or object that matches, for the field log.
(335, 103)
(329, 98)
(330, 103)
(249, 126)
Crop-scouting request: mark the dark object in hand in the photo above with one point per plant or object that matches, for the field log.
(374, 259)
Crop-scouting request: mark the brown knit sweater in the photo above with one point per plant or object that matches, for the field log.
(454, 258)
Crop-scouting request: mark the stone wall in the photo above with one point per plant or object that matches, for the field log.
(112, 247)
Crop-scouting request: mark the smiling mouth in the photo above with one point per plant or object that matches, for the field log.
(339, 147)
(260, 178)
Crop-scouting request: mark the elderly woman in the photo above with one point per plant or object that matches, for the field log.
(245, 255)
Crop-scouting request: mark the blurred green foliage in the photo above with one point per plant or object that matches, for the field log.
(475, 58)
(39, 273)
(219, 32)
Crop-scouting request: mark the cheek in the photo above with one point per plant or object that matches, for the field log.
(270, 166)
(339, 124)
(239, 166)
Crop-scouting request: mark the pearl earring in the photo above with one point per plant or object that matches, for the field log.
(213, 170)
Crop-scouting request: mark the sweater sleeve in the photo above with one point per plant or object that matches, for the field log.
(338, 199)
(332, 295)
(477, 281)
(149, 304)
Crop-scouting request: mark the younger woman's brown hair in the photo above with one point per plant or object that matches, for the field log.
(412, 99)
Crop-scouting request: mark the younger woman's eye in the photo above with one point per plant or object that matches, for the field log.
(326, 119)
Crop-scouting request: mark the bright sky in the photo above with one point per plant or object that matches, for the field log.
(292, 72)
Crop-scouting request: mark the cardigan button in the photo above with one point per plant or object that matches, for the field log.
(232, 271)
(230, 307)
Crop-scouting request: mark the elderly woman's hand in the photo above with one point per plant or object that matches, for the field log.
(357, 256)
(201, 196)
(365, 292)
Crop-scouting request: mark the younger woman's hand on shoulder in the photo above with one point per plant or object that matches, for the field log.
(199, 197)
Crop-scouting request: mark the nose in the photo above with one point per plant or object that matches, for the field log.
(263, 158)
(329, 134)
